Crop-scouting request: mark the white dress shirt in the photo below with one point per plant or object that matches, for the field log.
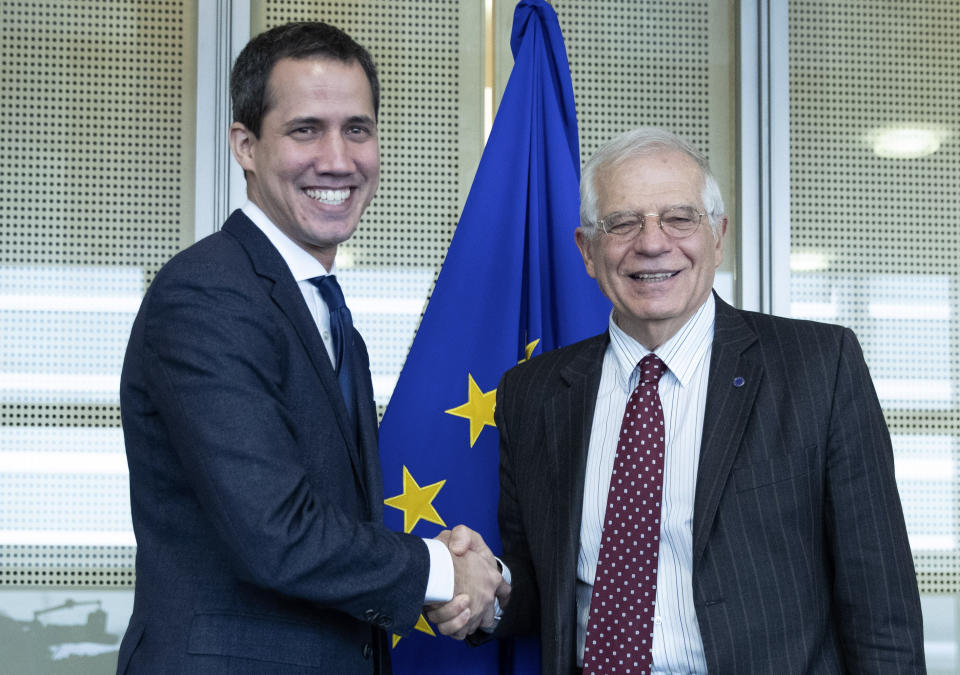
(677, 645)
(304, 267)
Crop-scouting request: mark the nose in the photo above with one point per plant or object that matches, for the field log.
(651, 239)
(332, 155)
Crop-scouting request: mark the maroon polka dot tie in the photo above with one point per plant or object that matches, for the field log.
(620, 627)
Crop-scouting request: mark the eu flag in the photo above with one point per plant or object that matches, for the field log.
(512, 285)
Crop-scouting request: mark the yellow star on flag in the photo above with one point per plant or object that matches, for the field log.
(529, 351)
(421, 626)
(478, 408)
(416, 502)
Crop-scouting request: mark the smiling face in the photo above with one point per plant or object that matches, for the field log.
(316, 164)
(656, 283)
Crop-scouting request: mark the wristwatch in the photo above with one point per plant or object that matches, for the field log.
(497, 609)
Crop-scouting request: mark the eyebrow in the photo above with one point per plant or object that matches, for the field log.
(361, 119)
(665, 208)
(318, 121)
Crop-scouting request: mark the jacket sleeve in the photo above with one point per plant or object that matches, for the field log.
(522, 614)
(217, 368)
(875, 588)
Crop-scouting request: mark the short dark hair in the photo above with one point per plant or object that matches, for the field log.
(299, 40)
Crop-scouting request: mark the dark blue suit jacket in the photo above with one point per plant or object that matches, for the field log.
(801, 562)
(257, 509)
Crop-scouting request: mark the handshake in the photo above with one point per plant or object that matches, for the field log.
(477, 583)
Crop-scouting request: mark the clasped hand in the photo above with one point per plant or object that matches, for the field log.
(477, 582)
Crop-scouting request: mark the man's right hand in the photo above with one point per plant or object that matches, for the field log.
(475, 585)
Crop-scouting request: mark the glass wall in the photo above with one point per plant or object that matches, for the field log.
(97, 177)
(875, 243)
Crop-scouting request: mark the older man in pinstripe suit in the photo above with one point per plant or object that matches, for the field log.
(779, 541)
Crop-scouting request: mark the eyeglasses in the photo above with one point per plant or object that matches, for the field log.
(676, 222)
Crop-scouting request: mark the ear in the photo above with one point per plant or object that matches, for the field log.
(585, 244)
(718, 246)
(242, 144)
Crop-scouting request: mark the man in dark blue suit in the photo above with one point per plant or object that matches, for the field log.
(248, 413)
(698, 489)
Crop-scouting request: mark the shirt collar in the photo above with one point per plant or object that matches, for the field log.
(303, 265)
(681, 353)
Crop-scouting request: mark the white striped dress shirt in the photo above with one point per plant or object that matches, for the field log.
(677, 645)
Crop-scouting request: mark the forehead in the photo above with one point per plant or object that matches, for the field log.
(297, 84)
(650, 181)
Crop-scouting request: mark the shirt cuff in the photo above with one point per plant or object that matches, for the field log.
(504, 570)
(440, 581)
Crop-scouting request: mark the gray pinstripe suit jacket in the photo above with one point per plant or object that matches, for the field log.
(801, 562)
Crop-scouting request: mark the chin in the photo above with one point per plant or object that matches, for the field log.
(331, 234)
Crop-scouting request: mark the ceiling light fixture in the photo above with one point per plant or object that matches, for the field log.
(808, 261)
(906, 142)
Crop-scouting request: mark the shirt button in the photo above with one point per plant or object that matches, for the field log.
(657, 620)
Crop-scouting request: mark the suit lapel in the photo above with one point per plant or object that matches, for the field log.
(568, 416)
(735, 377)
(268, 263)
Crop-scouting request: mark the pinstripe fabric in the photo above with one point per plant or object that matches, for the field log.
(677, 647)
(800, 555)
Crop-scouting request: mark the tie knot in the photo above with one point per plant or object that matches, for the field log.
(329, 291)
(651, 369)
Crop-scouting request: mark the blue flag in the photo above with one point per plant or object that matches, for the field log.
(512, 286)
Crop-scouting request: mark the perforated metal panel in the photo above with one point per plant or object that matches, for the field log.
(665, 64)
(68, 566)
(875, 239)
(639, 63)
(96, 195)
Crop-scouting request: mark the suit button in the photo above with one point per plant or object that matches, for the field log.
(367, 650)
(371, 615)
(384, 621)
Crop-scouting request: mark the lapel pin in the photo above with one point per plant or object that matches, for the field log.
(738, 381)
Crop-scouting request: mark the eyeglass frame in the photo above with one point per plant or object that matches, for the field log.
(642, 219)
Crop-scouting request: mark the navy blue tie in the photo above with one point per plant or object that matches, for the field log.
(341, 328)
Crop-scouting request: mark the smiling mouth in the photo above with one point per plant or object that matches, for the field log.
(331, 197)
(652, 277)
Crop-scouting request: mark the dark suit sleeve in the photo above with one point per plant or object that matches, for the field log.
(877, 605)
(220, 374)
(522, 615)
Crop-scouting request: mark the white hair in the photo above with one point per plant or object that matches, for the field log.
(643, 142)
